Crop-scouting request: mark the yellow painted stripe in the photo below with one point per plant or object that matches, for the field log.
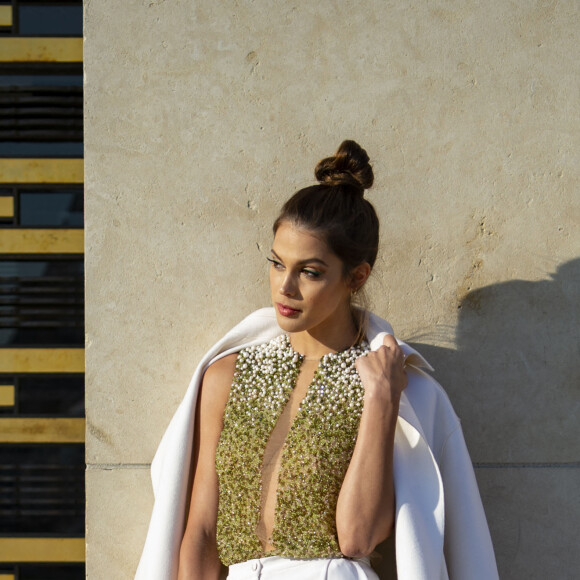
(6, 210)
(41, 430)
(42, 549)
(30, 49)
(6, 399)
(5, 20)
(7, 577)
(42, 360)
(41, 171)
(38, 241)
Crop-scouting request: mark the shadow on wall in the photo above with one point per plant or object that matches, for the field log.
(515, 377)
(515, 382)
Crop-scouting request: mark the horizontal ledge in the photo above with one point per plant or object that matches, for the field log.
(36, 49)
(42, 550)
(32, 170)
(555, 465)
(41, 430)
(41, 241)
(42, 360)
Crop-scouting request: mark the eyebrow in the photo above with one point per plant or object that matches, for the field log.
(303, 262)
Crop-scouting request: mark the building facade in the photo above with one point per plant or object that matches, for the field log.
(41, 291)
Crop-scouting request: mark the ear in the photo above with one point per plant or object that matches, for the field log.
(358, 276)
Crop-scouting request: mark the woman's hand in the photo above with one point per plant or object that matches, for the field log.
(382, 371)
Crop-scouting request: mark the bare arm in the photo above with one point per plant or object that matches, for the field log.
(365, 512)
(198, 557)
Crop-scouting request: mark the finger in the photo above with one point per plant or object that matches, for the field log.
(390, 342)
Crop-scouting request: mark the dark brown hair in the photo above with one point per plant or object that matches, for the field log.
(336, 209)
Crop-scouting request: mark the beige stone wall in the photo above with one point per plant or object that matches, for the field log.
(202, 117)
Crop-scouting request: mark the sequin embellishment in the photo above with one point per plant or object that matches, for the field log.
(315, 455)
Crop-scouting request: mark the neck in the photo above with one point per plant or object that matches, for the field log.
(314, 343)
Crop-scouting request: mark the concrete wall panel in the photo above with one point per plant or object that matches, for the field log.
(118, 509)
(533, 514)
(201, 118)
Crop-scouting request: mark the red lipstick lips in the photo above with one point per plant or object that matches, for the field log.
(286, 310)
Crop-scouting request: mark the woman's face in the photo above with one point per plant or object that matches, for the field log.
(309, 290)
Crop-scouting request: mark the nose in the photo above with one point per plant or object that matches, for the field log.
(287, 286)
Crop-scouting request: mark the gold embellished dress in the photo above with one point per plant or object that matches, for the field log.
(280, 470)
(441, 530)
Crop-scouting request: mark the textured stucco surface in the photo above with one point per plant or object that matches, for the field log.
(201, 118)
(117, 517)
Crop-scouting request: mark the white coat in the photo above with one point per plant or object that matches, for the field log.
(440, 529)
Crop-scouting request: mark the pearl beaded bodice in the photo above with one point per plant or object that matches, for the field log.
(314, 458)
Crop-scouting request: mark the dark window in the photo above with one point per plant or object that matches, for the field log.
(41, 206)
(51, 208)
(41, 303)
(45, 395)
(60, 571)
(42, 490)
(50, 20)
(45, 571)
(41, 80)
(40, 149)
(41, 113)
(45, 18)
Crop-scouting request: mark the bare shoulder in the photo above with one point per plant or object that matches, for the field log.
(221, 370)
(217, 381)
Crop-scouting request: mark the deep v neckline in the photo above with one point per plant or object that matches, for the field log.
(276, 445)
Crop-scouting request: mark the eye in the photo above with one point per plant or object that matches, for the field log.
(275, 264)
(311, 273)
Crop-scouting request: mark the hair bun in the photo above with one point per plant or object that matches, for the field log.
(349, 166)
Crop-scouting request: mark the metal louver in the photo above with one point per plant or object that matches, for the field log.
(41, 113)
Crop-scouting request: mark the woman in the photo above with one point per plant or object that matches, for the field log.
(303, 431)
